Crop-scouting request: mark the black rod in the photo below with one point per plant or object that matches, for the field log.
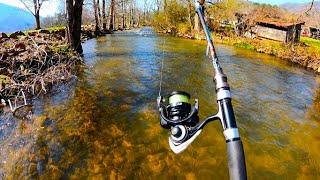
(236, 158)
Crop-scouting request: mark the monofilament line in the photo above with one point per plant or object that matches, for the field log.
(161, 70)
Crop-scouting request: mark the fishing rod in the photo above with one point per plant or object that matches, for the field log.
(181, 118)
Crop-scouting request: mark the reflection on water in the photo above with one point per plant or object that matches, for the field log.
(105, 124)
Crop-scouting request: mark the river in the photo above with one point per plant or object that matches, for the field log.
(104, 124)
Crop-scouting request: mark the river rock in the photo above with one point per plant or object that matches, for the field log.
(16, 34)
(20, 45)
(61, 32)
(3, 35)
(44, 31)
(32, 33)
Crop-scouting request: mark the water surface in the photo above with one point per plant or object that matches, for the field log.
(104, 124)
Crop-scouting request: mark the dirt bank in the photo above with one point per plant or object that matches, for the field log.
(33, 62)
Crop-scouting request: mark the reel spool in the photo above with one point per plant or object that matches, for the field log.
(178, 110)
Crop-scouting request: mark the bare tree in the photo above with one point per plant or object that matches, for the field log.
(96, 16)
(190, 10)
(99, 12)
(34, 7)
(296, 34)
(104, 24)
(111, 23)
(74, 17)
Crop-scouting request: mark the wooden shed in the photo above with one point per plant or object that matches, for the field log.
(279, 30)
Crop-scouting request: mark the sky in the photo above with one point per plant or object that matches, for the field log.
(50, 8)
(278, 2)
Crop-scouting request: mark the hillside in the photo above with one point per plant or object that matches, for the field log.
(300, 7)
(312, 19)
(14, 19)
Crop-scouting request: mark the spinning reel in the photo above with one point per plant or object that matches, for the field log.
(181, 118)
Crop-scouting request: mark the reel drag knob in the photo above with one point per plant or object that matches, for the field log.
(178, 133)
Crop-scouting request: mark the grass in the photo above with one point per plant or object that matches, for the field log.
(51, 29)
(311, 42)
(245, 45)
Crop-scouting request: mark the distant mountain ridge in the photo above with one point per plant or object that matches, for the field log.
(312, 19)
(14, 19)
(300, 7)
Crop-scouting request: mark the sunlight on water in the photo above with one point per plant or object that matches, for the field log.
(105, 125)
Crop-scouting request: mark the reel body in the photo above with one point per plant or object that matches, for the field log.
(181, 118)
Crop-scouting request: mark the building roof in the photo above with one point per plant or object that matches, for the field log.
(276, 23)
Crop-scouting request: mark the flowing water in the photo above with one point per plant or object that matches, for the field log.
(105, 124)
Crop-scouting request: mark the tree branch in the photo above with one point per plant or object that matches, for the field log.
(27, 7)
(311, 6)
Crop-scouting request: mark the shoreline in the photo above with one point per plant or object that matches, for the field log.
(36, 60)
(301, 54)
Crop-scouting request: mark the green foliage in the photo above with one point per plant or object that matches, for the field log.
(311, 42)
(159, 21)
(183, 28)
(176, 13)
(55, 28)
(4, 80)
(224, 10)
(245, 45)
(173, 18)
(63, 49)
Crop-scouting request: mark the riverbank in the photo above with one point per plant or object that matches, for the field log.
(33, 61)
(306, 53)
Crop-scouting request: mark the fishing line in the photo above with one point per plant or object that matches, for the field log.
(161, 70)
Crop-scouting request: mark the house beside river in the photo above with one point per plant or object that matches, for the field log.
(279, 30)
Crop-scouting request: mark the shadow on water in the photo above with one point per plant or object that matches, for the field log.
(105, 124)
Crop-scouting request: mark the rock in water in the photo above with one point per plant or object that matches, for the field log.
(3, 35)
(16, 34)
(44, 31)
(32, 33)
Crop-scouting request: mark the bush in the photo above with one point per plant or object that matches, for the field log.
(184, 28)
(173, 19)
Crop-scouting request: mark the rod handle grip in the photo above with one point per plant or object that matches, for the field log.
(236, 160)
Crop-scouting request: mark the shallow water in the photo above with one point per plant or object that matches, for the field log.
(105, 123)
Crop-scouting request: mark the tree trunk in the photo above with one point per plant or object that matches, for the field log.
(74, 17)
(111, 23)
(123, 16)
(37, 16)
(197, 27)
(95, 8)
(99, 12)
(131, 15)
(190, 15)
(37, 13)
(104, 25)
